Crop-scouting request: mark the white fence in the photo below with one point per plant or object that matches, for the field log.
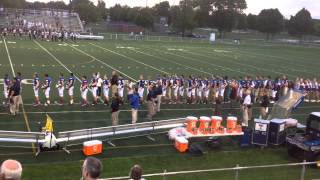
(153, 38)
(236, 170)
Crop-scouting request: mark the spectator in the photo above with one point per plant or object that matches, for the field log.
(264, 104)
(91, 168)
(11, 170)
(218, 106)
(136, 173)
(159, 95)
(151, 101)
(115, 109)
(246, 106)
(114, 83)
(14, 95)
(135, 105)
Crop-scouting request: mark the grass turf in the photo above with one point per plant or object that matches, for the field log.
(133, 58)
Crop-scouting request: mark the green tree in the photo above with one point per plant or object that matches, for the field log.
(144, 18)
(317, 27)
(301, 24)
(115, 12)
(241, 22)
(203, 10)
(13, 3)
(252, 22)
(270, 21)
(132, 14)
(86, 10)
(174, 10)
(225, 13)
(102, 9)
(185, 17)
(162, 9)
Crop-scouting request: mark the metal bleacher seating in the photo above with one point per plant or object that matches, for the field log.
(54, 18)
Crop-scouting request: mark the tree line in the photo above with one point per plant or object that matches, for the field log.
(223, 15)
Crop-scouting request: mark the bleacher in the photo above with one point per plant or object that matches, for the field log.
(46, 18)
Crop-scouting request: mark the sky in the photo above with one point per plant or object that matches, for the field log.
(286, 7)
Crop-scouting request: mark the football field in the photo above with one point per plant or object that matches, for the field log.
(132, 58)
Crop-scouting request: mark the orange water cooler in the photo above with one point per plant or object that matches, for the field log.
(204, 126)
(231, 124)
(92, 147)
(192, 124)
(215, 123)
(181, 144)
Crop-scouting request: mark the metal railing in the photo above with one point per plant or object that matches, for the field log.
(236, 170)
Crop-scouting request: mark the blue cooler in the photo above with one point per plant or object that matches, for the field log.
(277, 131)
(260, 132)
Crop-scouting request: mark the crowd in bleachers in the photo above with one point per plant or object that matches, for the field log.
(44, 34)
(91, 169)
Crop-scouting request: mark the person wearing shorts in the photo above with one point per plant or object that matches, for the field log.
(84, 90)
(70, 87)
(60, 87)
(6, 87)
(106, 87)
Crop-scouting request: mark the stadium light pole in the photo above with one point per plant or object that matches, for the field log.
(70, 6)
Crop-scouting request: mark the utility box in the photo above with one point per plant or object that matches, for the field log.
(277, 132)
(260, 132)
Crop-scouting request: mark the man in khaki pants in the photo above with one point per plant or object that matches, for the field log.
(246, 106)
(14, 96)
(151, 101)
(159, 96)
(115, 109)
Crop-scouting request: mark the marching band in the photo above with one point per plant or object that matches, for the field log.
(174, 89)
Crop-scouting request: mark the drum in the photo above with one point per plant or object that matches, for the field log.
(204, 126)
(192, 124)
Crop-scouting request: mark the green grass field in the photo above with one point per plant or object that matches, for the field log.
(133, 58)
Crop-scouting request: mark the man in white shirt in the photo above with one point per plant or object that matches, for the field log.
(246, 105)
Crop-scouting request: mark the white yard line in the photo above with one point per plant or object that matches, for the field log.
(9, 57)
(98, 60)
(56, 59)
(211, 64)
(130, 58)
(247, 65)
(258, 55)
(23, 109)
(171, 61)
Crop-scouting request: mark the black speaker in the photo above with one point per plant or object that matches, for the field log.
(195, 150)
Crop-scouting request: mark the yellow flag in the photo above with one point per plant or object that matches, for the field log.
(49, 124)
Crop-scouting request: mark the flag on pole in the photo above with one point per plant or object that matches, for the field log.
(49, 124)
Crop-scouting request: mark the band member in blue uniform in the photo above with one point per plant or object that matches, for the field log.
(70, 87)
(46, 88)
(60, 87)
(36, 87)
(106, 86)
(84, 90)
